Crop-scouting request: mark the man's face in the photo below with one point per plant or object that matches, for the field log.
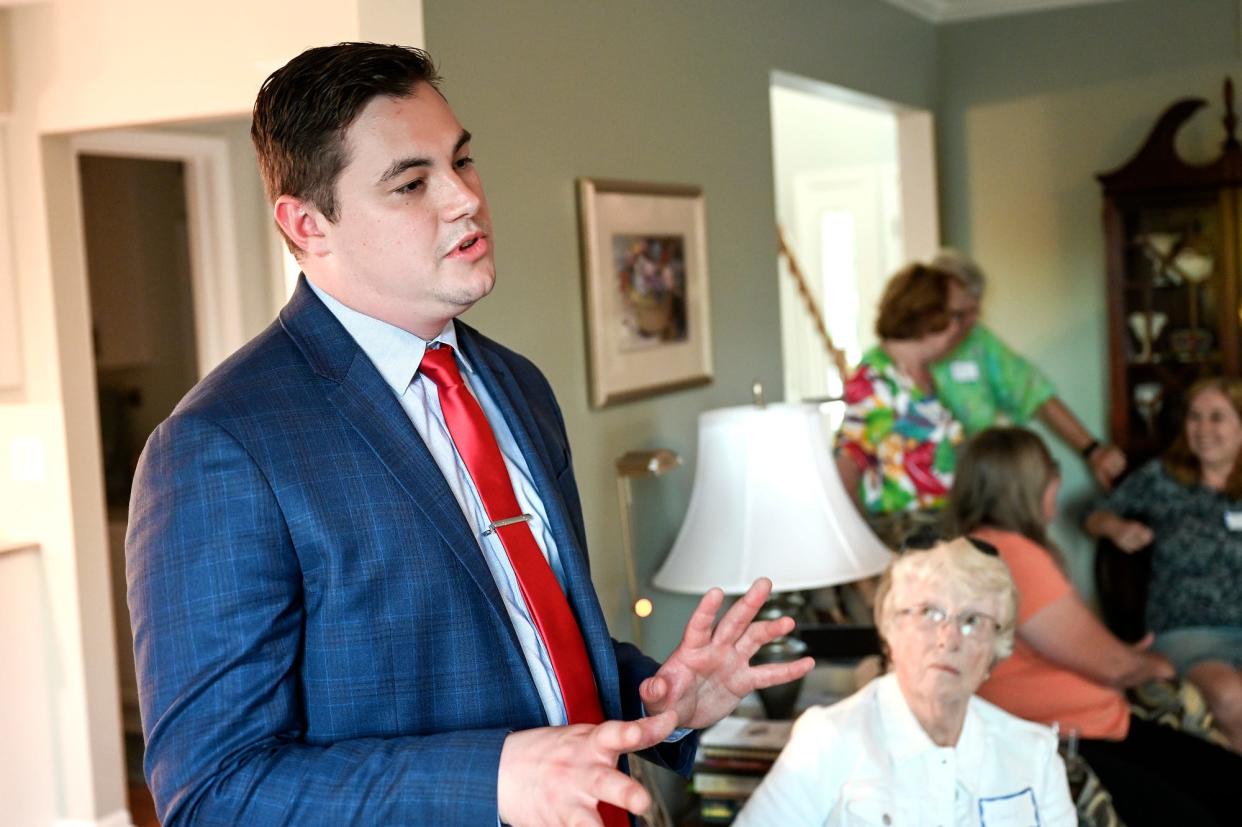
(412, 240)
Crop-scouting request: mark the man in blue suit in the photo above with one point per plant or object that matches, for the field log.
(331, 624)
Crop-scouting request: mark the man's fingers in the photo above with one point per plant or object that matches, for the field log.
(616, 737)
(615, 787)
(699, 627)
(742, 612)
(762, 632)
(655, 729)
(653, 689)
(772, 674)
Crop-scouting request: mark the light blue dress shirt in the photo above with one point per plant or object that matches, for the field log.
(396, 354)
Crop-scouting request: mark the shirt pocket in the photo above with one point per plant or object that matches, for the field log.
(1018, 809)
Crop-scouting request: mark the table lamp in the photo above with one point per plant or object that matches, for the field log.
(768, 502)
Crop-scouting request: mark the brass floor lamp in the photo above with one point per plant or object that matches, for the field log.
(632, 465)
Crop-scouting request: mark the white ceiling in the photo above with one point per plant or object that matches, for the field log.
(944, 11)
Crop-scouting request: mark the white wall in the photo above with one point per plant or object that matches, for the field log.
(79, 65)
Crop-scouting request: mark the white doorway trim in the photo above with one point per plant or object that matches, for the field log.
(916, 151)
(916, 158)
(214, 273)
(861, 204)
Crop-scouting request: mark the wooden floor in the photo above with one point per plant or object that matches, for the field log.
(141, 808)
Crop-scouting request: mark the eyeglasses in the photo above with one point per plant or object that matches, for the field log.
(971, 624)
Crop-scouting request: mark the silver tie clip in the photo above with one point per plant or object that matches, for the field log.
(522, 518)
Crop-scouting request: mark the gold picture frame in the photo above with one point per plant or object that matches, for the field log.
(644, 269)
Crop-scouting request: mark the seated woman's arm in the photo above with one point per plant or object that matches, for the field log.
(1067, 633)
(1127, 535)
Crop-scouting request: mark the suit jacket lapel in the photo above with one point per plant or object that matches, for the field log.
(367, 403)
(505, 392)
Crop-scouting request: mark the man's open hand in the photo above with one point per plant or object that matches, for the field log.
(710, 671)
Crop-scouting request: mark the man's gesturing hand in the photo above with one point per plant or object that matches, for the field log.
(703, 680)
(557, 775)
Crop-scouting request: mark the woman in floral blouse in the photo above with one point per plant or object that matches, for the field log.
(896, 447)
(1188, 507)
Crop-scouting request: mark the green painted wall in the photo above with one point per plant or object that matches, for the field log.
(648, 91)
(1031, 107)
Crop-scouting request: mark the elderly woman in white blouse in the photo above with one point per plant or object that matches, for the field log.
(915, 747)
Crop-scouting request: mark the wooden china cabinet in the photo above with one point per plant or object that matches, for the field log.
(1174, 246)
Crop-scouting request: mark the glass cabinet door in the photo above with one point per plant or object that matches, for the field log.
(1172, 309)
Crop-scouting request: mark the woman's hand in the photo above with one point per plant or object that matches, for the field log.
(1107, 464)
(1151, 666)
(1127, 535)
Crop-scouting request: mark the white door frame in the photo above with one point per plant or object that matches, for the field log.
(11, 368)
(917, 206)
(214, 273)
(916, 162)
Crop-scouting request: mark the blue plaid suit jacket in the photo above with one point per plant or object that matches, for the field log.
(318, 638)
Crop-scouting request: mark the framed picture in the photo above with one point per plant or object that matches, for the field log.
(644, 263)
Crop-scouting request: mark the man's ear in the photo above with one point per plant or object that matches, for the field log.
(302, 223)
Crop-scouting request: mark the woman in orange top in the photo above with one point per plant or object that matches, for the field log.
(1066, 667)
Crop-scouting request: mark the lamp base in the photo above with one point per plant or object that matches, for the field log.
(779, 701)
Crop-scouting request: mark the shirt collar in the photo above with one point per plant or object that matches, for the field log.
(396, 353)
(907, 740)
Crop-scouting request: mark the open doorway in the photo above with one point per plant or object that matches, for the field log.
(158, 230)
(855, 197)
(135, 227)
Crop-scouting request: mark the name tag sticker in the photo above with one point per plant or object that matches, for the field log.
(964, 371)
(1013, 810)
(1233, 520)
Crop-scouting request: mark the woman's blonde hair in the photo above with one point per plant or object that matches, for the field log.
(964, 573)
(1180, 462)
(999, 481)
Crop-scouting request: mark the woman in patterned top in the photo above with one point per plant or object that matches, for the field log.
(896, 446)
(1188, 507)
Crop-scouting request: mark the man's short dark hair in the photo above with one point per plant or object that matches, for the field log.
(305, 107)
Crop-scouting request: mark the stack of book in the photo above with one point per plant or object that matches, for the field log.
(733, 757)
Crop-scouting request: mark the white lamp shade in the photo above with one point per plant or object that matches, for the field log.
(768, 501)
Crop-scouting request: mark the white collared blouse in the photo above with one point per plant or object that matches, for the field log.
(868, 761)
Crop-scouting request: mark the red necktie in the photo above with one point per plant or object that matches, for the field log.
(475, 442)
